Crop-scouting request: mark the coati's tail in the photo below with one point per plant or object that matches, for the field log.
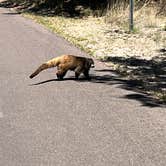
(49, 64)
(41, 68)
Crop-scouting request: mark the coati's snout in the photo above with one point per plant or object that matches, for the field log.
(91, 63)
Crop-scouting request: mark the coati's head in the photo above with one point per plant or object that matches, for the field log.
(90, 63)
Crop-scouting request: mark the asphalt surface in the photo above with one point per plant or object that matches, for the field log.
(45, 122)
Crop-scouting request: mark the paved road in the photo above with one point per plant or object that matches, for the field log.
(45, 122)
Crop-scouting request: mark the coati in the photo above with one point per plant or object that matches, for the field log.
(67, 62)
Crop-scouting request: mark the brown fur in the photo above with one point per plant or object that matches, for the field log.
(65, 63)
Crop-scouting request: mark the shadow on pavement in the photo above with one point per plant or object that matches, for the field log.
(147, 77)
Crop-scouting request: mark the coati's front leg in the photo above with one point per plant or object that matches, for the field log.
(78, 71)
(86, 73)
(77, 75)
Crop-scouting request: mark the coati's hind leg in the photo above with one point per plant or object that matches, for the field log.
(60, 75)
(60, 72)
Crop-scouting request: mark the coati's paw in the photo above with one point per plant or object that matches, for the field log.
(60, 77)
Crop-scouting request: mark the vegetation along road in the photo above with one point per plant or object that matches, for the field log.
(46, 122)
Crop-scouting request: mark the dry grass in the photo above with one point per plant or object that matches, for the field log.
(86, 33)
(106, 37)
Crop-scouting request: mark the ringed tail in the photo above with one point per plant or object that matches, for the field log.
(49, 64)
